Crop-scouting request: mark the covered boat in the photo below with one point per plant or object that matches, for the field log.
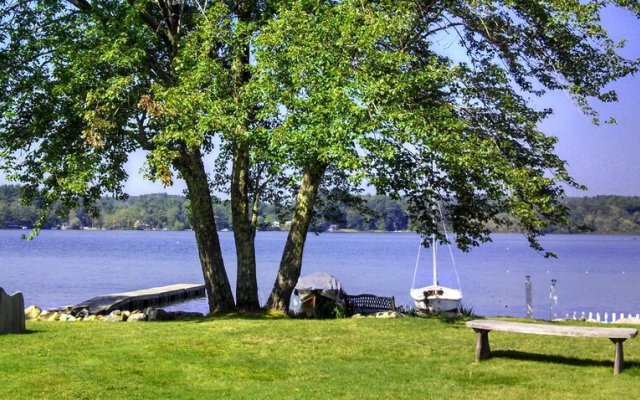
(316, 290)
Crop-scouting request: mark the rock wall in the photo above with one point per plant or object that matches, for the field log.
(11, 313)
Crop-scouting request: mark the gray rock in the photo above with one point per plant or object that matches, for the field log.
(137, 317)
(49, 316)
(115, 316)
(32, 312)
(158, 314)
(389, 314)
(180, 315)
(67, 317)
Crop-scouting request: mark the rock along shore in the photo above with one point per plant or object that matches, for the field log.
(148, 314)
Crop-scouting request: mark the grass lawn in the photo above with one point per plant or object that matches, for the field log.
(262, 358)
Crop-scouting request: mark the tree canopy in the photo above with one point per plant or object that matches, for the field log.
(293, 96)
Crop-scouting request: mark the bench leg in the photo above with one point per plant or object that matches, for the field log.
(618, 363)
(483, 351)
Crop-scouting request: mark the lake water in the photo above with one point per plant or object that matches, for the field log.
(594, 273)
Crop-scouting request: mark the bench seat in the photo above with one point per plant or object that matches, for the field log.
(482, 327)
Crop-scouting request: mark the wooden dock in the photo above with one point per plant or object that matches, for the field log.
(141, 299)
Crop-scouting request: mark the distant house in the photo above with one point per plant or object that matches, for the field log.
(139, 225)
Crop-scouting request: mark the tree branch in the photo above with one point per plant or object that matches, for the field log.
(254, 210)
(81, 5)
(157, 27)
(141, 136)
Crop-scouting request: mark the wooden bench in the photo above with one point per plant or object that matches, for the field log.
(482, 327)
(368, 304)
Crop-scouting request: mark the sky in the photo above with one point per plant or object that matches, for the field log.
(605, 158)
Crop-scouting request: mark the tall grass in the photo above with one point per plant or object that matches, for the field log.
(257, 358)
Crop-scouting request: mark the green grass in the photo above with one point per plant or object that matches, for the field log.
(259, 358)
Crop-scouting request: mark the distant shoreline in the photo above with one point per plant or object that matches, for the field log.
(337, 231)
(600, 214)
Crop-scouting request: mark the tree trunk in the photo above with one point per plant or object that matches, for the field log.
(204, 225)
(291, 262)
(244, 231)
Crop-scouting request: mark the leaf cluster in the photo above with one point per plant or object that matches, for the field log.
(361, 90)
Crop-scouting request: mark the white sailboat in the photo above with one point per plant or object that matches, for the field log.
(435, 298)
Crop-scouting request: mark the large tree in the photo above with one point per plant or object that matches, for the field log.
(78, 83)
(291, 94)
(451, 130)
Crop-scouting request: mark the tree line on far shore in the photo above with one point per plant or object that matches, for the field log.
(600, 214)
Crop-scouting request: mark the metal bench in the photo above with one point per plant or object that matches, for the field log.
(368, 304)
(482, 327)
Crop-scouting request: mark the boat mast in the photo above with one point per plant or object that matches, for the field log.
(433, 253)
(433, 235)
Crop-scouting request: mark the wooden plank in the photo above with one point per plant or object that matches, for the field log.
(553, 330)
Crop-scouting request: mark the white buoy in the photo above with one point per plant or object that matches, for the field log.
(553, 300)
(528, 296)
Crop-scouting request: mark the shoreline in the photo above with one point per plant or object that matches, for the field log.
(345, 231)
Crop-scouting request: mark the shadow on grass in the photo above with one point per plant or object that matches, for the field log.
(244, 315)
(546, 358)
(27, 332)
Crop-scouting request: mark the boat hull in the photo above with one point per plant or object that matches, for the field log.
(436, 299)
